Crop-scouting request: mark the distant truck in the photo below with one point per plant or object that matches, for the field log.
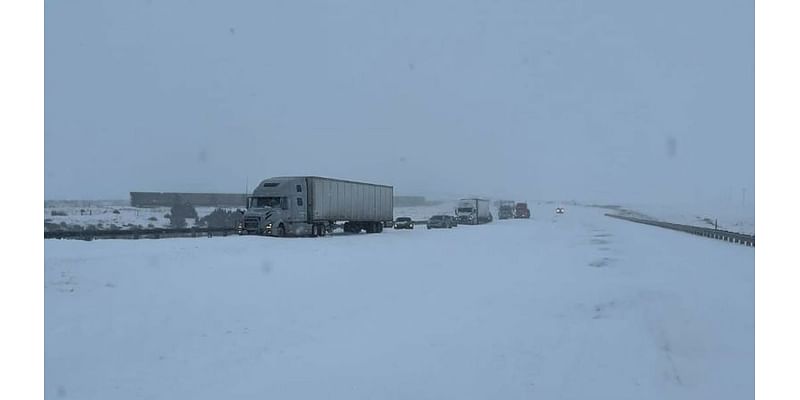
(473, 211)
(314, 206)
(521, 210)
(506, 210)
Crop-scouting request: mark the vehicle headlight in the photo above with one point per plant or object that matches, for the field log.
(268, 226)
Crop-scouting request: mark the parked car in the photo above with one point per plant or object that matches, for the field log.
(559, 210)
(403, 223)
(439, 221)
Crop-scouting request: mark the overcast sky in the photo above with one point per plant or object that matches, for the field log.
(613, 101)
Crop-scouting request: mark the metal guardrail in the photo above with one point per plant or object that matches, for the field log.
(157, 233)
(733, 237)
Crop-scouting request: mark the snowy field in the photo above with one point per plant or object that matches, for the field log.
(730, 218)
(577, 306)
(103, 216)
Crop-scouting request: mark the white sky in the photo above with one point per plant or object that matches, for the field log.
(612, 101)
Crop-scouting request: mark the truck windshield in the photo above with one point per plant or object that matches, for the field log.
(260, 202)
(465, 209)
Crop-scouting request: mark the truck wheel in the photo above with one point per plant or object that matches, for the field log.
(281, 230)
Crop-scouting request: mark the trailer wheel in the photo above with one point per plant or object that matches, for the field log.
(322, 230)
(380, 227)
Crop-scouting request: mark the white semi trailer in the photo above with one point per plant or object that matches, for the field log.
(473, 211)
(314, 206)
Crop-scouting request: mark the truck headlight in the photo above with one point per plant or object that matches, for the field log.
(268, 226)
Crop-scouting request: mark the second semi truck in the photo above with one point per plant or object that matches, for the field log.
(314, 206)
(506, 209)
(473, 211)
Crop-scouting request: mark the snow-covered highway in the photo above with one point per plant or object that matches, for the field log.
(574, 306)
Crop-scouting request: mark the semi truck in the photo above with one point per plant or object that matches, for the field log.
(521, 211)
(473, 211)
(506, 209)
(315, 206)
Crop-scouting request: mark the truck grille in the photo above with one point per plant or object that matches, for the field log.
(251, 223)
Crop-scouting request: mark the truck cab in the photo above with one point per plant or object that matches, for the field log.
(277, 207)
(521, 211)
(467, 212)
(473, 211)
(506, 211)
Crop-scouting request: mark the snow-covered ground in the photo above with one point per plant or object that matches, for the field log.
(735, 219)
(575, 306)
(103, 216)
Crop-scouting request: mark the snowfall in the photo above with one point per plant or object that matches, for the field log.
(572, 306)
